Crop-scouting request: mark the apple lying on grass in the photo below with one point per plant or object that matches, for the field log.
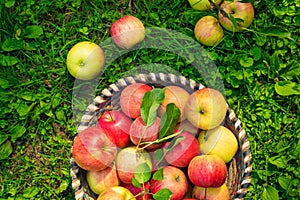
(127, 31)
(208, 31)
(116, 193)
(217, 193)
(85, 60)
(116, 126)
(207, 171)
(206, 108)
(219, 141)
(92, 150)
(203, 4)
(131, 99)
(174, 179)
(241, 11)
(98, 181)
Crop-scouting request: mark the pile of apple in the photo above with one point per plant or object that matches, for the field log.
(233, 15)
(162, 143)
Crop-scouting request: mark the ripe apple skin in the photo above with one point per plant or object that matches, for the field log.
(98, 181)
(131, 99)
(208, 31)
(92, 150)
(128, 159)
(218, 193)
(202, 4)
(127, 31)
(139, 131)
(219, 141)
(206, 108)
(182, 153)
(178, 96)
(138, 191)
(207, 171)
(85, 60)
(174, 179)
(116, 126)
(244, 11)
(187, 126)
(116, 193)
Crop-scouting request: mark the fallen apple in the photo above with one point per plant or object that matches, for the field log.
(203, 4)
(116, 193)
(218, 193)
(207, 171)
(85, 60)
(208, 31)
(116, 126)
(92, 150)
(219, 141)
(206, 108)
(127, 31)
(241, 11)
(99, 181)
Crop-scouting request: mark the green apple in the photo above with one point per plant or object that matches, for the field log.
(219, 141)
(203, 4)
(85, 60)
(206, 108)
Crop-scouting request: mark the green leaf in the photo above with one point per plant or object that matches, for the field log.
(9, 3)
(135, 183)
(270, 193)
(294, 72)
(150, 103)
(163, 194)
(29, 96)
(275, 31)
(286, 88)
(12, 44)
(4, 83)
(3, 138)
(5, 150)
(280, 161)
(158, 155)
(33, 31)
(56, 100)
(256, 53)
(8, 60)
(174, 142)
(246, 61)
(234, 22)
(169, 120)
(63, 186)
(159, 174)
(17, 132)
(30, 192)
(142, 173)
(284, 182)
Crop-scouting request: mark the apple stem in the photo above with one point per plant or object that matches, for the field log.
(205, 192)
(225, 14)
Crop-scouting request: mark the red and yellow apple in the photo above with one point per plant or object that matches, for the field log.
(218, 193)
(141, 193)
(92, 150)
(116, 193)
(127, 31)
(206, 108)
(219, 141)
(207, 171)
(85, 60)
(203, 4)
(131, 98)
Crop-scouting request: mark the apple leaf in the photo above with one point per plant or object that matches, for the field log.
(163, 194)
(174, 142)
(159, 174)
(150, 103)
(276, 32)
(142, 173)
(234, 22)
(169, 120)
(135, 183)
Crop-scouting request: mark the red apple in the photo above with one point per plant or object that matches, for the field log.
(219, 141)
(98, 181)
(139, 132)
(206, 108)
(116, 126)
(141, 193)
(187, 126)
(182, 153)
(238, 10)
(128, 159)
(178, 96)
(116, 193)
(127, 31)
(92, 150)
(173, 179)
(207, 171)
(208, 31)
(131, 98)
(218, 193)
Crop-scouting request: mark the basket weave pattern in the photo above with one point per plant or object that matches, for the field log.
(239, 169)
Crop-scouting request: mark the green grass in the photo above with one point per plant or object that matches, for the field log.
(259, 67)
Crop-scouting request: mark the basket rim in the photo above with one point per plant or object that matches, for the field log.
(101, 100)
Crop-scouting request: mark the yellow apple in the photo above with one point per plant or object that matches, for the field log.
(218, 193)
(85, 60)
(203, 4)
(116, 193)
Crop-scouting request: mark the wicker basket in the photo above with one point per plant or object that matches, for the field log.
(239, 169)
